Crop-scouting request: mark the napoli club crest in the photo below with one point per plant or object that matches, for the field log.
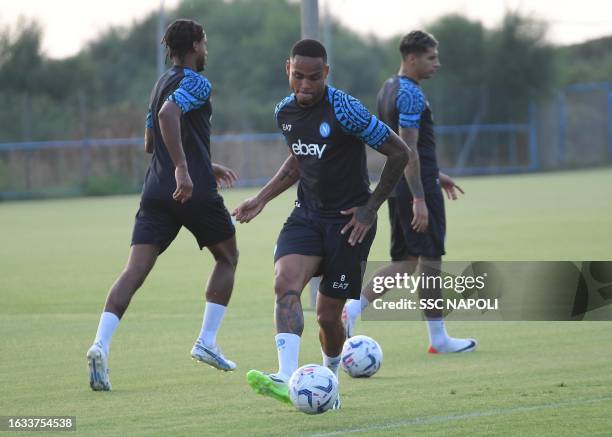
(324, 129)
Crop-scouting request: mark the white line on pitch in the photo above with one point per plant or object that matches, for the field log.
(449, 418)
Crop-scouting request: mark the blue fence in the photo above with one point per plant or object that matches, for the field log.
(601, 88)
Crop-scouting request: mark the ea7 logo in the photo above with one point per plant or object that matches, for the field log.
(303, 149)
(286, 127)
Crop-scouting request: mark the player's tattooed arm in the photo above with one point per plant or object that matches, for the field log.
(289, 314)
(286, 176)
(397, 154)
(413, 178)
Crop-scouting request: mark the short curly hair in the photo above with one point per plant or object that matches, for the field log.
(417, 42)
(180, 36)
(310, 48)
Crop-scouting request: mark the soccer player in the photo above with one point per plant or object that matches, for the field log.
(403, 106)
(333, 224)
(180, 189)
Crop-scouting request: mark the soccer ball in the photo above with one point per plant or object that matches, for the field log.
(361, 356)
(313, 389)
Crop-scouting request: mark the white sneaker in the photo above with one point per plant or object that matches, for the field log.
(455, 345)
(211, 356)
(98, 368)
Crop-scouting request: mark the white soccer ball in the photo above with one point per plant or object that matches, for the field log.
(361, 356)
(313, 389)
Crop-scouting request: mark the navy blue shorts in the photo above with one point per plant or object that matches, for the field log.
(159, 221)
(405, 241)
(341, 267)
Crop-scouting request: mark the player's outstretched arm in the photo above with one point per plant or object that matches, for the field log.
(449, 186)
(286, 176)
(413, 178)
(170, 126)
(397, 153)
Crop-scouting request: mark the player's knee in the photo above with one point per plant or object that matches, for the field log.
(328, 320)
(283, 282)
(136, 273)
(229, 258)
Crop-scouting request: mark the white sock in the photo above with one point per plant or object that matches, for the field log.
(332, 363)
(437, 331)
(440, 340)
(213, 315)
(355, 307)
(288, 347)
(106, 329)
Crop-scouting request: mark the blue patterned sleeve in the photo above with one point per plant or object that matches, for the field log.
(357, 120)
(149, 120)
(192, 93)
(410, 104)
(280, 106)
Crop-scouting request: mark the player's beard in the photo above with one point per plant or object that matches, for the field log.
(311, 100)
(200, 63)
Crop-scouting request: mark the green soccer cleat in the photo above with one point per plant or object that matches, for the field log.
(269, 385)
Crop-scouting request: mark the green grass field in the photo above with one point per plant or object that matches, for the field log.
(59, 257)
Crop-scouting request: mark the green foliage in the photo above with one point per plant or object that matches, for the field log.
(521, 67)
(21, 57)
(488, 75)
(248, 44)
(588, 62)
(457, 91)
(107, 185)
(357, 64)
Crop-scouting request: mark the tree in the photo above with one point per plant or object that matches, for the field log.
(457, 90)
(521, 67)
(21, 57)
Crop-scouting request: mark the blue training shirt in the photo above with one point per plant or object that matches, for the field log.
(328, 141)
(191, 93)
(401, 103)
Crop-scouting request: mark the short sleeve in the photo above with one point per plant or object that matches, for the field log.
(357, 120)
(281, 105)
(149, 120)
(410, 104)
(192, 93)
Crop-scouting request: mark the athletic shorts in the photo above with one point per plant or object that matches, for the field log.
(159, 221)
(405, 241)
(341, 265)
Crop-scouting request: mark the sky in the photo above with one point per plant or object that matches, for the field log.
(69, 24)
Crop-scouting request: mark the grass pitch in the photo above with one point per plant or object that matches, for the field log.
(58, 259)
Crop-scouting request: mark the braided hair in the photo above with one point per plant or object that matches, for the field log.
(180, 36)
